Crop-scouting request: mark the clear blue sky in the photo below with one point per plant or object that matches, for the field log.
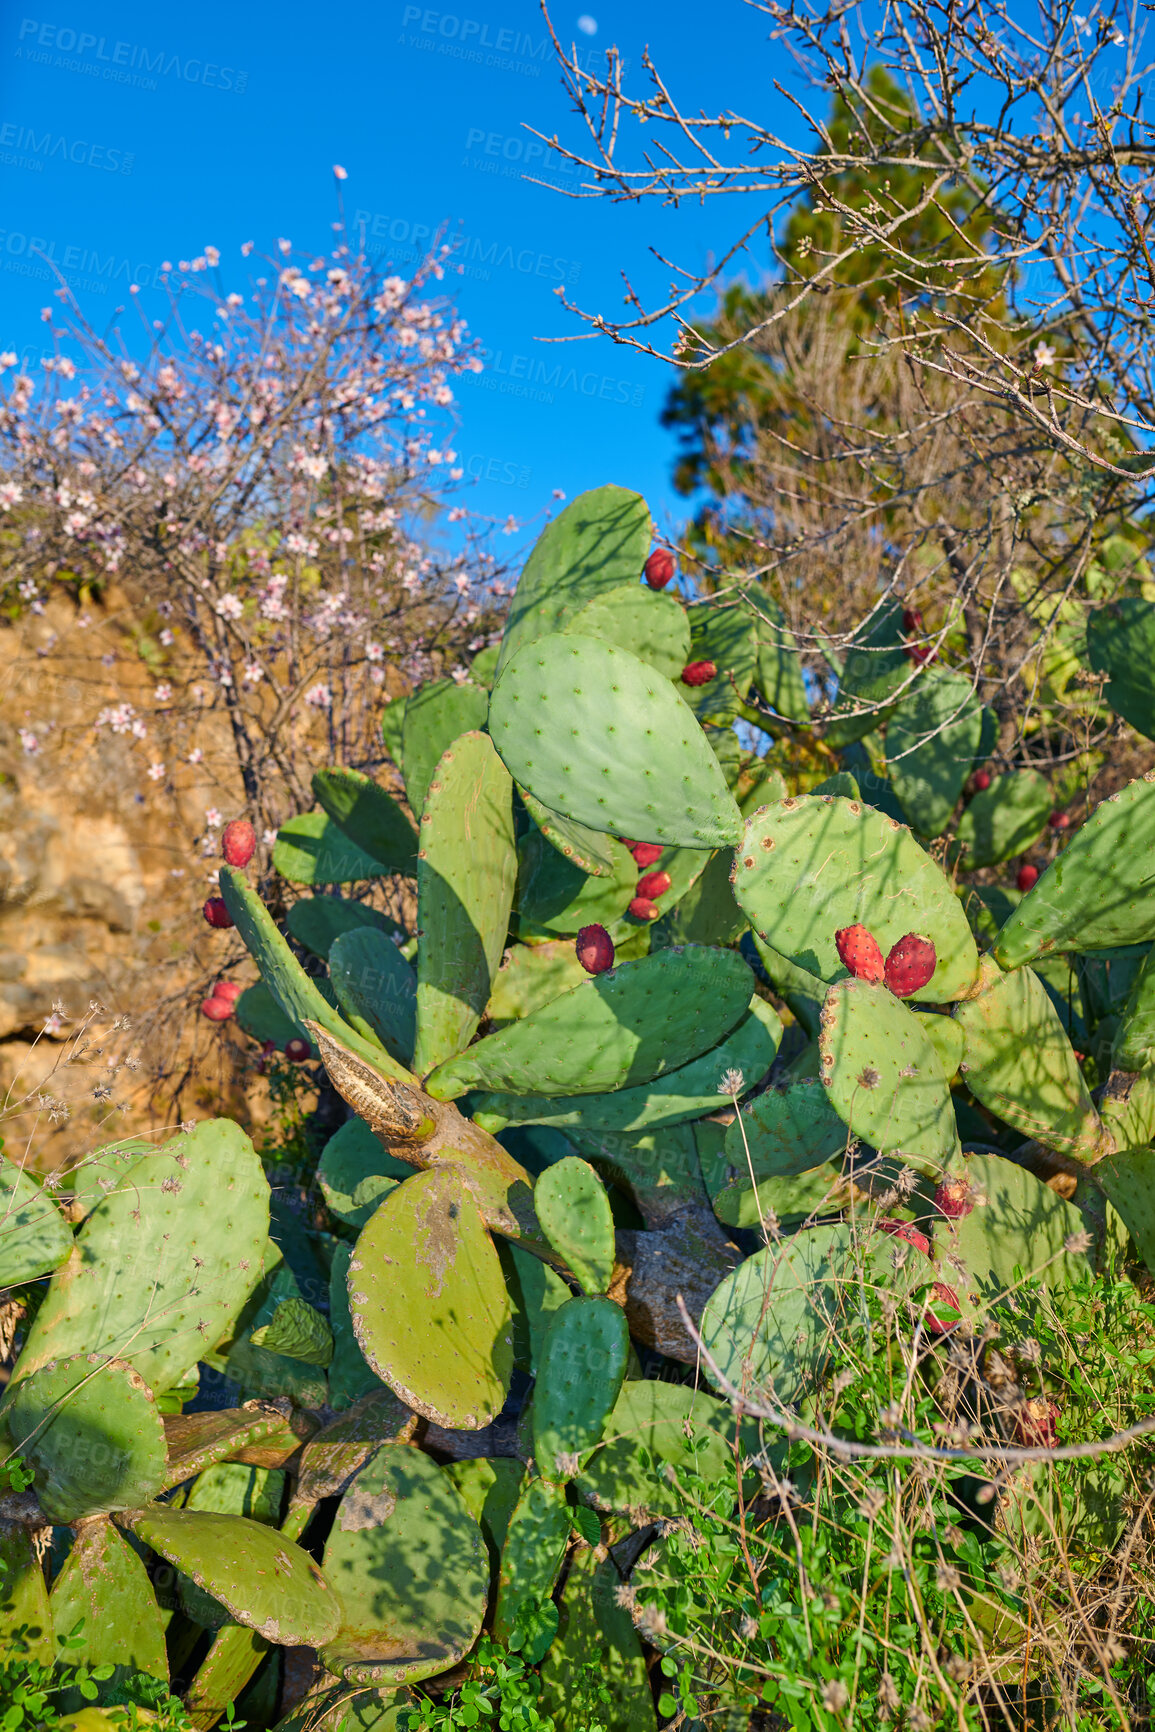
(182, 129)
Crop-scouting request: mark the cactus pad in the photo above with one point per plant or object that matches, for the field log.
(779, 671)
(312, 849)
(819, 1191)
(806, 868)
(355, 1173)
(946, 1037)
(34, 1236)
(639, 1021)
(1016, 1222)
(434, 717)
(490, 1488)
(1005, 819)
(373, 981)
(654, 625)
(653, 1426)
(264, 1580)
(466, 869)
(315, 921)
(723, 634)
(350, 1378)
(429, 1304)
(786, 1132)
(596, 1641)
(537, 1292)
(409, 1562)
(882, 1075)
(1121, 644)
(1019, 1062)
(531, 976)
(590, 850)
(532, 1556)
(571, 1203)
(104, 1583)
(1099, 892)
(596, 546)
(90, 1430)
(195, 1218)
(579, 1377)
(630, 758)
(932, 740)
(1134, 1045)
(556, 896)
(369, 817)
(1129, 1181)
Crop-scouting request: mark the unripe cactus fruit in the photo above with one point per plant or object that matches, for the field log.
(954, 1198)
(698, 673)
(216, 913)
(595, 949)
(646, 853)
(911, 619)
(910, 965)
(1028, 877)
(859, 951)
(643, 909)
(938, 1304)
(654, 884)
(982, 781)
(904, 1230)
(296, 1050)
(229, 990)
(238, 842)
(1035, 1423)
(1059, 821)
(659, 568)
(217, 1009)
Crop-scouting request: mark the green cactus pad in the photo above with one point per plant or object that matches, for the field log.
(722, 633)
(596, 1641)
(164, 1262)
(596, 546)
(393, 727)
(590, 850)
(197, 1441)
(779, 670)
(1099, 892)
(775, 1321)
(1005, 819)
(409, 1562)
(842, 783)
(653, 1426)
(24, 1596)
(435, 716)
(315, 921)
(466, 870)
(555, 896)
(802, 992)
(932, 740)
(537, 1292)
(1134, 1045)
(630, 758)
(369, 817)
(706, 914)
(657, 1169)
(1019, 1062)
(807, 867)
(1121, 644)
(297, 1330)
(312, 849)
(331, 1457)
(97, 1173)
(532, 1556)
(685, 1093)
(882, 1075)
(946, 1037)
(104, 1585)
(373, 981)
(579, 1378)
(874, 670)
(873, 786)
(531, 976)
(265, 1581)
(235, 1489)
(571, 1203)
(90, 1430)
(786, 1132)
(655, 625)
(429, 1305)
(819, 1191)
(1017, 1222)
(295, 993)
(350, 1378)
(355, 1173)
(490, 1488)
(234, 1656)
(1129, 1181)
(639, 1021)
(34, 1236)
(259, 1014)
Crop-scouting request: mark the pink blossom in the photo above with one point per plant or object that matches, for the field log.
(213, 818)
(28, 740)
(163, 693)
(319, 696)
(196, 756)
(339, 172)
(156, 772)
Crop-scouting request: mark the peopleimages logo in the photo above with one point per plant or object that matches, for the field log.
(39, 147)
(80, 267)
(121, 62)
(485, 44)
(407, 241)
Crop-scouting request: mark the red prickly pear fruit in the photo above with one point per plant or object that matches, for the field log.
(296, 1050)
(911, 619)
(910, 965)
(904, 1230)
(595, 949)
(216, 913)
(982, 781)
(920, 654)
(651, 885)
(238, 842)
(699, 673)
(858, 950)
(659, 568)
(228, 989)
(217, 1009)
(626, 843)
(1028, 877)
(941, 1299)
(954, 1198)
(646, 854)
(1059, 821)
(643, 909)
(1035, 1424)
